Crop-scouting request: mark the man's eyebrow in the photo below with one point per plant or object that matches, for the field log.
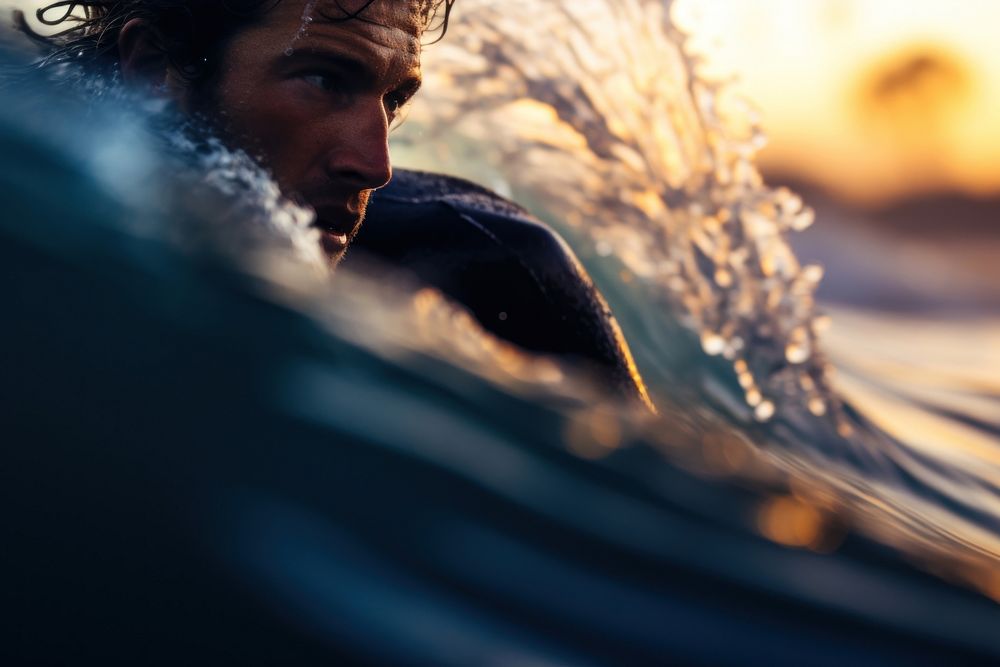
(409, 86)
(347, 64)
(357, 68)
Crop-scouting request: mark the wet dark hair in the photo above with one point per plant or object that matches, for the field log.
(193, 32)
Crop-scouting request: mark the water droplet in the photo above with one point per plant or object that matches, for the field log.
(768, 264)
(789, 202)
(803, 220)
(593, 434)
(821, 323)
(817, 406)
(797, 353)
(812, 273)
(712, 343)
(845, 430)
(502, 316)
(289, 51)
(764, 411)
(767, 209)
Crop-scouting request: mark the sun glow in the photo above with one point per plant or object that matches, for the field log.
(872, 99)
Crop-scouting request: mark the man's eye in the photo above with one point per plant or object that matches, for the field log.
(393, 103)
(397, 103)
(321, 81)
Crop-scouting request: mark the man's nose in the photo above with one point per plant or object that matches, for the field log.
(360, 158)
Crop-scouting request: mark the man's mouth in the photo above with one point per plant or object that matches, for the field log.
(337, 228)
(338, 216)
(333, 242)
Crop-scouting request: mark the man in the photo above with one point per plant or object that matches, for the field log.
(308, 88)
(311, 89)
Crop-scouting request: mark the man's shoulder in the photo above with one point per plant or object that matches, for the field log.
(462, 212)
(514, 273)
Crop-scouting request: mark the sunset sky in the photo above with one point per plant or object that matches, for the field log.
(871, 98)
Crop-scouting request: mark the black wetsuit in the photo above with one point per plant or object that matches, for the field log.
(516, 276)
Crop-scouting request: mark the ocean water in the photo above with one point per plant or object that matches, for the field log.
(595, 116)
(383, 480)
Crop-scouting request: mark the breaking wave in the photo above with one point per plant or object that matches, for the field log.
(595, 116)
(526, 483)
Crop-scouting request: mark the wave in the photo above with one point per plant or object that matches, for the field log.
(362, 457)
(595, 116)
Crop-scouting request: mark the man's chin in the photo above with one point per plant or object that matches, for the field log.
(337, 230)
(334, 245)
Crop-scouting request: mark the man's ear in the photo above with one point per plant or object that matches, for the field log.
(143, 60)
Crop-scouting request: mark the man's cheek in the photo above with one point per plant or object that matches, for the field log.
(277, 141)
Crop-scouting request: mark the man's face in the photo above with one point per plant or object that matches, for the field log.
(314, 101)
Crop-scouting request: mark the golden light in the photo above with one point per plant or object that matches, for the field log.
(872, 99)
(792, 522)
(594, 432)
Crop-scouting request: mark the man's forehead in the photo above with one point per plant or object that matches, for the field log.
(409, 15)
(398, 24)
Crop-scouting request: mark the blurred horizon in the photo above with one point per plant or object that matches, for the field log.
(871, 102)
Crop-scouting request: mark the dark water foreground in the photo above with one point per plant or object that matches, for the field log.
(196, 469)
